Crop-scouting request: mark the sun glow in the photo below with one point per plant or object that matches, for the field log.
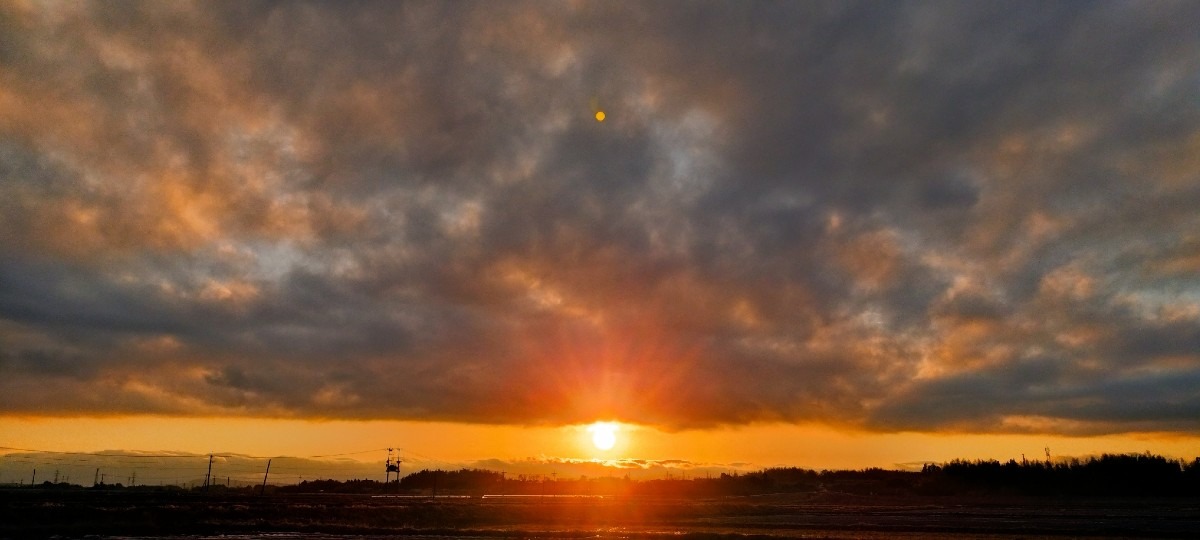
(604, 435)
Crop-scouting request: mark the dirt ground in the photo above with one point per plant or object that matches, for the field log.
(39, 514)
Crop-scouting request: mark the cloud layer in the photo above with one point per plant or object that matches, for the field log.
(905, 216)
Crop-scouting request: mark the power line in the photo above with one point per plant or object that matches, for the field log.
(139, 462)
(350, 453)
(99, 454)
(426, 459)
(196, 456)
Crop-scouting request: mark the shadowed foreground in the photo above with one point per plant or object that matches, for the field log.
(32, 513)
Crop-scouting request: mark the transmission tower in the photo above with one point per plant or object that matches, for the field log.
(392, 466)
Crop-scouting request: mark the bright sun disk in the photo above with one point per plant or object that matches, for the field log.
(604, 435)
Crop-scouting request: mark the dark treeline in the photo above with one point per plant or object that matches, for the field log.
(1110, 475)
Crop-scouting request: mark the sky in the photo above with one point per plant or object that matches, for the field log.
(827, 234)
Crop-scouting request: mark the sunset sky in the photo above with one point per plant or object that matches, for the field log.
(818, 234)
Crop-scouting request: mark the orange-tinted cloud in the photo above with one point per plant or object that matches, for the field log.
(933, 217)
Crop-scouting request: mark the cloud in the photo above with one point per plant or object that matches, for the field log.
(633, 469)
(924, 217)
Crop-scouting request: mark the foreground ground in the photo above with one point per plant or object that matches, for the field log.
(31, 513)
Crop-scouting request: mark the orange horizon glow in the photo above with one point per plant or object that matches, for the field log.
(450, 444)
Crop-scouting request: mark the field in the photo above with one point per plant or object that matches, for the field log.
(38, 514)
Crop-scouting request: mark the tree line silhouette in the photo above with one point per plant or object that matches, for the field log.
(1109, 475)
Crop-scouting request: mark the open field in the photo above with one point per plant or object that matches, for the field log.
(30, 513)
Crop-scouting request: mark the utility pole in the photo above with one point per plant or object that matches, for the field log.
(34, 480)
(208, 475)
(96, 479)
(263, 490)
(388, 468)
(55, 476)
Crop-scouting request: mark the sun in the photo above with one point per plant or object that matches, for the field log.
(600, 116)
(604, 435)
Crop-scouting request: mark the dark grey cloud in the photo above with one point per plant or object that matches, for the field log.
(925, 216)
